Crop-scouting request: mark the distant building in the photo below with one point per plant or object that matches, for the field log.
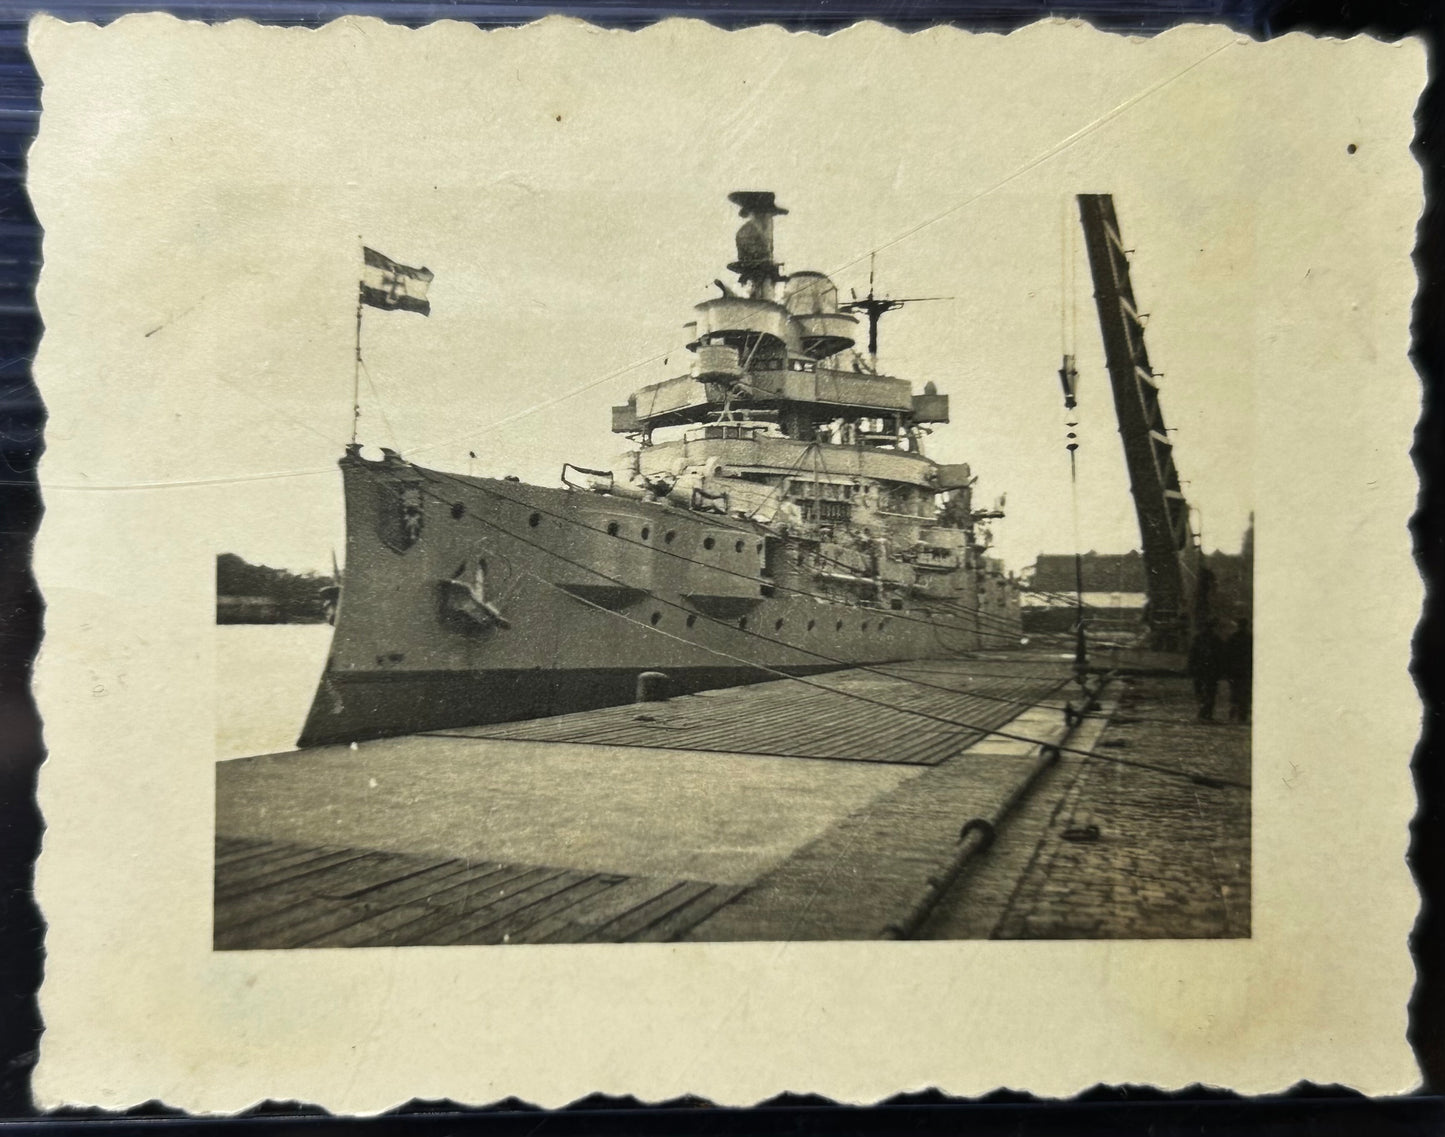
(1103, 572)
(1115, 589)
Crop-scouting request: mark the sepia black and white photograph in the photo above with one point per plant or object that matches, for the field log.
(765, 672)
(714, 563)
(690, 530)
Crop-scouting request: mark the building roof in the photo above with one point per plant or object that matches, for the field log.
(1103, 572)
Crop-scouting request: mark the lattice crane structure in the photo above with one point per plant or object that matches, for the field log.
(1178, 581)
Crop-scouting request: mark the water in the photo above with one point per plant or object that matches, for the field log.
(266, 675)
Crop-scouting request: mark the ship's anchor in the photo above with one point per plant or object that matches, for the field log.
(469, 597)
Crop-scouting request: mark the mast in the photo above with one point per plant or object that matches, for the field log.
(874, 308)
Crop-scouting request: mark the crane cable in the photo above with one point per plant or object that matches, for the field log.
(1069, 308)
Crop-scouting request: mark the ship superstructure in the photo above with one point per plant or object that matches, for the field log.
(775, 515)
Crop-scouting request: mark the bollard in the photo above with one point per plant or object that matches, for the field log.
(651, 687)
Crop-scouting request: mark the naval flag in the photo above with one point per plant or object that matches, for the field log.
(387, 284)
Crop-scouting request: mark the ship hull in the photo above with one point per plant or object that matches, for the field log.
(469, 600)
(378, 705)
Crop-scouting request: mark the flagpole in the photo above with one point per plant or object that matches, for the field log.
(356, 375)
(397, 286)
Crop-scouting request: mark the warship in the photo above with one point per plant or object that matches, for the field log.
(774, 515)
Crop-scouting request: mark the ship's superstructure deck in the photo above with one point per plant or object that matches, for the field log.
(915, 799)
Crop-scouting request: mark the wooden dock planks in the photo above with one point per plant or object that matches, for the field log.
(849, 882)
(275, 895)
(1172, 857)
(874, 715)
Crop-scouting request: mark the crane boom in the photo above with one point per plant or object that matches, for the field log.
(1177, 582)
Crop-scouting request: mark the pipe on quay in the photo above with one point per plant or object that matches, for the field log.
(978, 833)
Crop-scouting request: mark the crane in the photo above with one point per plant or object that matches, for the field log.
(1178, 582)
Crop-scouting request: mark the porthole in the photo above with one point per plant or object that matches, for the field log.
(812, 624)
(613, 529)
(646, 532)
(458, 511)
(669, 535)
(839, 626)
(708, 542)
(738, 548)
(760, 547)
(777, 625)
(534, 520)
(743, 624)
(656, 618)
(691, 619)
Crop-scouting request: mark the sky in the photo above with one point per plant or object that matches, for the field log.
(572, 221)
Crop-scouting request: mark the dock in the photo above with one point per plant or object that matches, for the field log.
(970, 798)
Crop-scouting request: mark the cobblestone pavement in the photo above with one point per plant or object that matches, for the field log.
(1108, 850)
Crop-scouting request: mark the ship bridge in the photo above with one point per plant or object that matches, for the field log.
(786, 358)
(782, 348)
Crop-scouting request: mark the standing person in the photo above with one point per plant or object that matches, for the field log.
(1239, 670)
(1205, 660)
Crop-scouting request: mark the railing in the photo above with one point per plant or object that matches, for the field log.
(790, 455)
(843, 389)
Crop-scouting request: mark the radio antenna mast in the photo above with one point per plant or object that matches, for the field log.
(874, 306)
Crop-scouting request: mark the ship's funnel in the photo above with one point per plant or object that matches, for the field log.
(755, 265)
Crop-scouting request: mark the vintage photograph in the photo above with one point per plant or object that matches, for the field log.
(581, 561)
(771, 671)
